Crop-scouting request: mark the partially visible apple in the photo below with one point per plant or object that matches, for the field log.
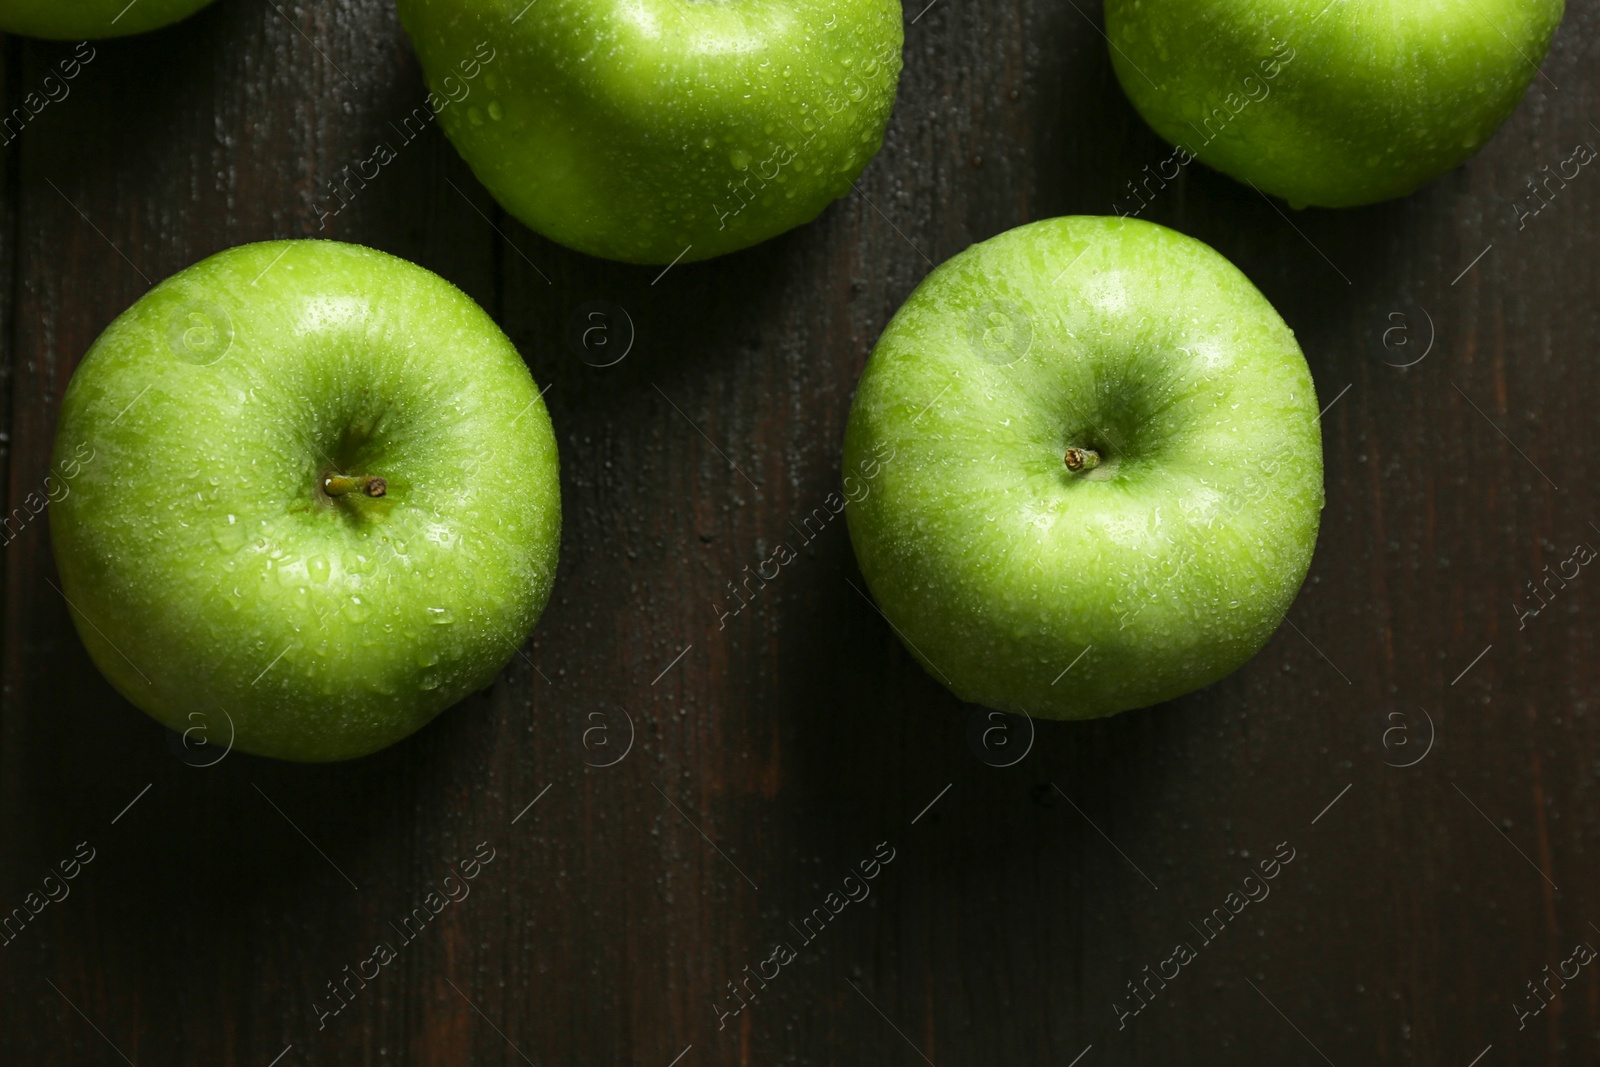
(1330, 103)
(306, 489)
(76, 20)
(656, 130)
(1087, 466)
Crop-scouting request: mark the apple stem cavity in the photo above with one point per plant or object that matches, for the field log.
(1079, 460)
(340, 484)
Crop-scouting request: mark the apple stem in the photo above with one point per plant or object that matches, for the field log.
(340, 484)
(1079, 460)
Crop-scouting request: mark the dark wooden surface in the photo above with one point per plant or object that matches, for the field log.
(782, 748)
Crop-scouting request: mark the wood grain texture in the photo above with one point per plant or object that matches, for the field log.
(776, 748)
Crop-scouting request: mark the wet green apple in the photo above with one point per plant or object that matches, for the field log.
(1090, 469)
(76, 20)
(307, 497)
(1331, 103)
(656, 130)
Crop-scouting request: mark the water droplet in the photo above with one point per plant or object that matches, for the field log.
(496, 112)
(317, 567)
(231, 536)
(441, 616)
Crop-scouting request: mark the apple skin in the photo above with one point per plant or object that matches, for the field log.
(77, 20)
(1332, 105)
(1174, 560)
(636, 129)
(211, 579)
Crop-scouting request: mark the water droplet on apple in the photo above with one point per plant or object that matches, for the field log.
(739, 158)
(317, 567)
(496, 112)
(474, 116)
(230, 537)
(357, 610)
(441, 616)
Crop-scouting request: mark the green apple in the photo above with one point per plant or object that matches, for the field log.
(307, 489)
(651, 131)
(1085, 469)
(76, 20)
(1331, 103)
